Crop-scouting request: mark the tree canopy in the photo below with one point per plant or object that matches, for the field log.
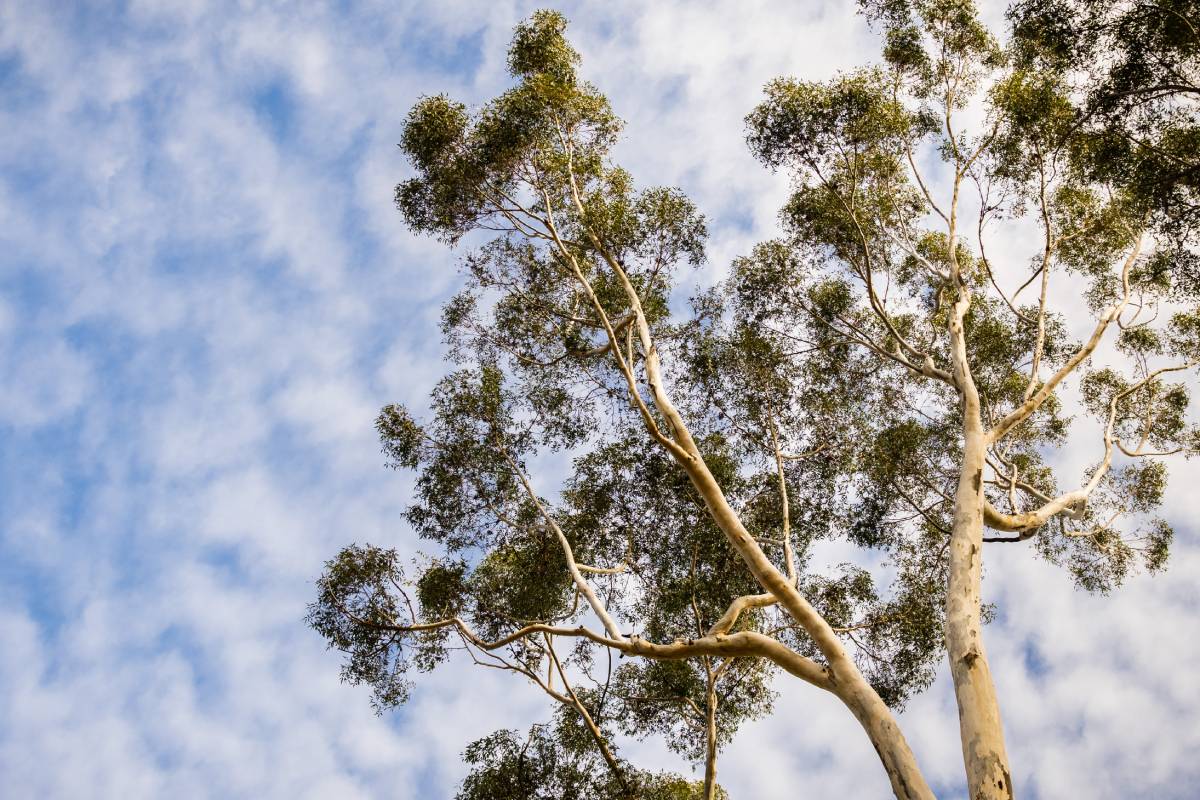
(625, 493)
(1135, 69)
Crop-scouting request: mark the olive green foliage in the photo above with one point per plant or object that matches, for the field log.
(533, 379)
(355, 605)
(1137, 67)
(856, 227)
(815, 382)
(557, 762)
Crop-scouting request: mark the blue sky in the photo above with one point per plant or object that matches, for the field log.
(206, 295)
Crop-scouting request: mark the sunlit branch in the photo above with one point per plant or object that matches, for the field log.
(1073, 504)
(584, 587)
(1035, 400)
(737, 607)
(740, 644)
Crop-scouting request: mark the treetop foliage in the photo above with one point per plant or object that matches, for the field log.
(1136, 67)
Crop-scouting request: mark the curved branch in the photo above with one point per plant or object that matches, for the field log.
(741, 644)
(739, 605)
(581, 583)
(1072, 503)
(586, 716)
(1035, 400)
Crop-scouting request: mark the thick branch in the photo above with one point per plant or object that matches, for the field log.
(1034, 401)
(739, 605)
(742, 644)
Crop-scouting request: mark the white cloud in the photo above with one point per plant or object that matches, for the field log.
(41, 382)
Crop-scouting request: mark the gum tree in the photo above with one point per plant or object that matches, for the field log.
(872, 379)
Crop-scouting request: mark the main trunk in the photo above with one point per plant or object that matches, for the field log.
(982, 734)
(849, 684)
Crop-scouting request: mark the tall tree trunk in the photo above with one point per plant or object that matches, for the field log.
(710, 730)
(848, 682)
(980, 727)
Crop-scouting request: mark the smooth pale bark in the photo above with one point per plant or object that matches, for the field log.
(842, 675)
(980, 727)
(886, 737)
(847, 682)
(739, 605)
(845, 679)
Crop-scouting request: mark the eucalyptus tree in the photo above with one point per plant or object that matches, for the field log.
(869, 382)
